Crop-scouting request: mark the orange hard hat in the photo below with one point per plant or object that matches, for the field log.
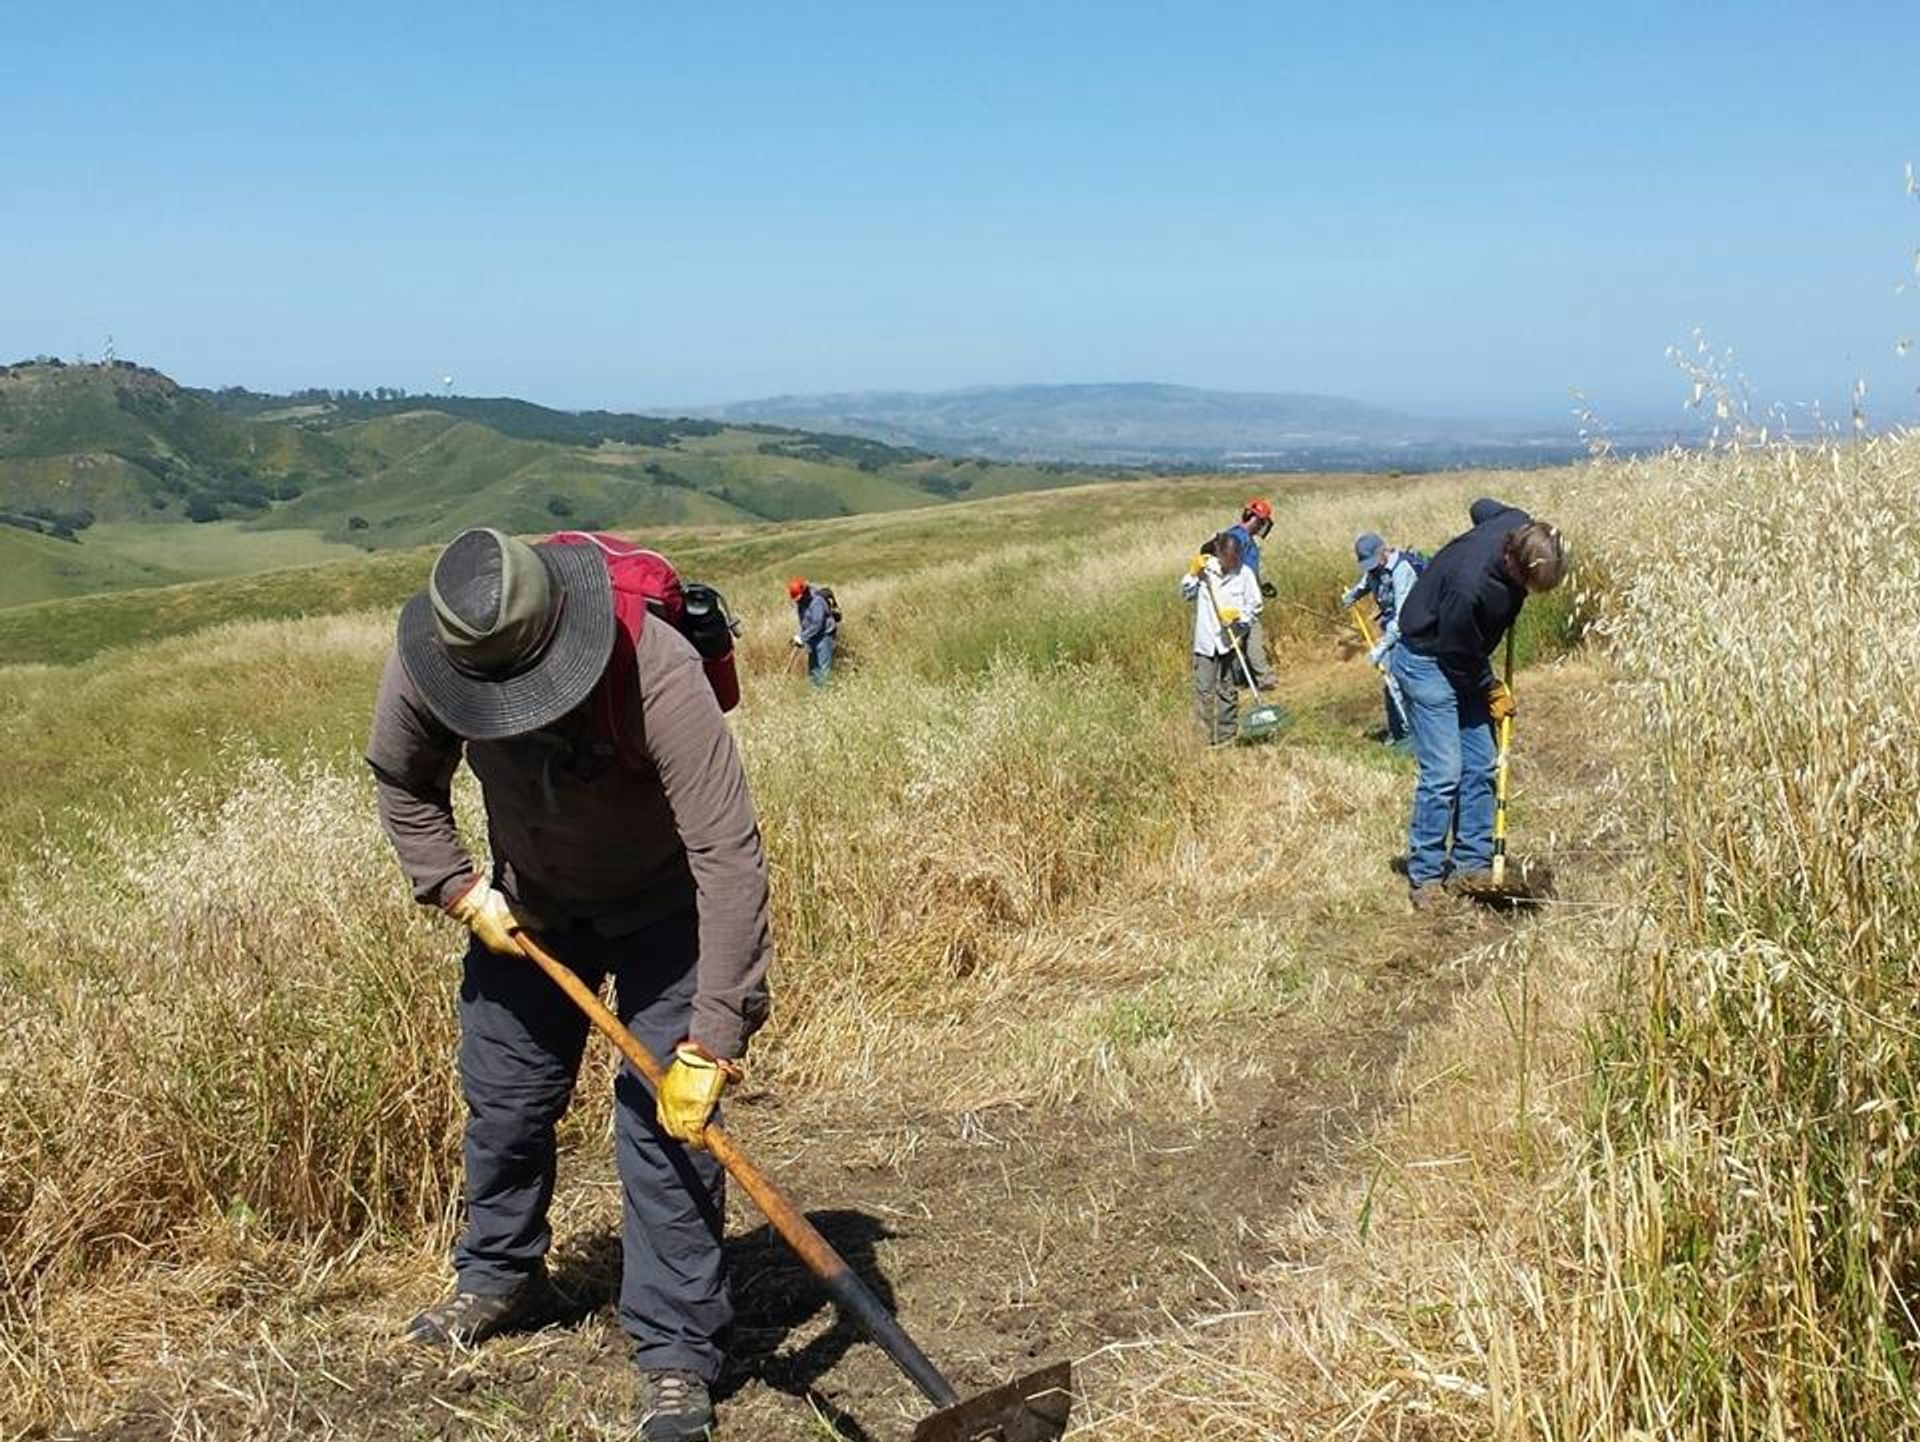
(796, 588)
(1260, 506)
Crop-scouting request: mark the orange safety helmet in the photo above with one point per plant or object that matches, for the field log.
(796, 588)
(1259, 506)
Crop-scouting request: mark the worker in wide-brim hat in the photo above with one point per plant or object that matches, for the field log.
(622, 833)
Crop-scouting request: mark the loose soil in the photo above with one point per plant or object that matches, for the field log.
(1004, 1238)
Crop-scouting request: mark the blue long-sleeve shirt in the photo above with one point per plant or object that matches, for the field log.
(815, 619)
(1249, 548)
(1389, 585)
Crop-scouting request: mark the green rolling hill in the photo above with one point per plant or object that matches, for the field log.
(115, 477)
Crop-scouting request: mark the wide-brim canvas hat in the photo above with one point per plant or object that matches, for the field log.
(508, 637)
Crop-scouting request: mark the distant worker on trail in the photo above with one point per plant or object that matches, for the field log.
(1226, 603)
(1255, 523)
(1387, 574)
(623, 837)
(819, 620)
(1449, 626)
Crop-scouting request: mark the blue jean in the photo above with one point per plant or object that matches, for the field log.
(1454, 755)
(521, 1040)
(820, 658)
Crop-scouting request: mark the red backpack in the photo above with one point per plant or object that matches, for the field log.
(644, 583)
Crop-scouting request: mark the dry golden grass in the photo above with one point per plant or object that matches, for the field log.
(225, 1031)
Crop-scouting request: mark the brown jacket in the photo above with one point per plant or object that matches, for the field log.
(582, 836)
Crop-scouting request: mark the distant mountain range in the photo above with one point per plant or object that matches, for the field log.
(1142, 423)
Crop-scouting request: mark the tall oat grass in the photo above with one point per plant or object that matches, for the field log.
(1750, 1193)
(1658, 1176)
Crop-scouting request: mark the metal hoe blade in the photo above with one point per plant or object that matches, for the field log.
(1033, 1409)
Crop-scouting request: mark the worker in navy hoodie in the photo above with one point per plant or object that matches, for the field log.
(1451, 622)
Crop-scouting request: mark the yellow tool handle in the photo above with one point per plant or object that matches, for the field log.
(1500, 778)
(1366, 626)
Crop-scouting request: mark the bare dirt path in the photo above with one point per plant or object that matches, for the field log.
(1005, 1238)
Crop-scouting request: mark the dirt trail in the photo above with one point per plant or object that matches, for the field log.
(1005, 1238)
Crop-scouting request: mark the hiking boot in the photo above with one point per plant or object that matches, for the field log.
(1470, 884)
(1430, 897)
(466, 1319)
(674, 1407)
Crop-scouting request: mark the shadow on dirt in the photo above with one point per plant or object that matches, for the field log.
(775, 1296)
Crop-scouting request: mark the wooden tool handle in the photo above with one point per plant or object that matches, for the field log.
(841, 1281)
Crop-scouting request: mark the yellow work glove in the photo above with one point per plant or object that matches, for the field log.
(690, 1092)
(1197, 565)
(1499, 701)
(1229, 615)
(485, 913)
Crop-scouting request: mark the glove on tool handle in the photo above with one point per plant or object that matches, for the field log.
(852, 1295)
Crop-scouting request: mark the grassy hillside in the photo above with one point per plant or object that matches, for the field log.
(91, 454)
(35, 566)
(1103, 1043)
(750, 555)
(121, 442)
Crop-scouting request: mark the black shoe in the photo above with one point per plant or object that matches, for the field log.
(467, 1319)
(1470, 884)
(674, 1407)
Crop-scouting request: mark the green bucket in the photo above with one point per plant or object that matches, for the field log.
(1260, 723)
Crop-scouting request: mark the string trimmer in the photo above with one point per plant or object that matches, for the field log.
(1263, 718)
(1032, 1409)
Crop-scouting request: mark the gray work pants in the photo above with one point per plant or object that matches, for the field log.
(521, 1041)
(1216, 696)
(1255, 645)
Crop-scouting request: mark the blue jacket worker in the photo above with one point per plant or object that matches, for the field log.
(819, 624)
(1255, 523)
(1449, 625)
(1387, 574)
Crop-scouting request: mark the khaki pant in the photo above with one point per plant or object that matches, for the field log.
(1216, 696)
(1256, 648)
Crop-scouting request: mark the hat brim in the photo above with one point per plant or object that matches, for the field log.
(563, 677)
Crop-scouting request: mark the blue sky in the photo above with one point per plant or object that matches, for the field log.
(1459, 209)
